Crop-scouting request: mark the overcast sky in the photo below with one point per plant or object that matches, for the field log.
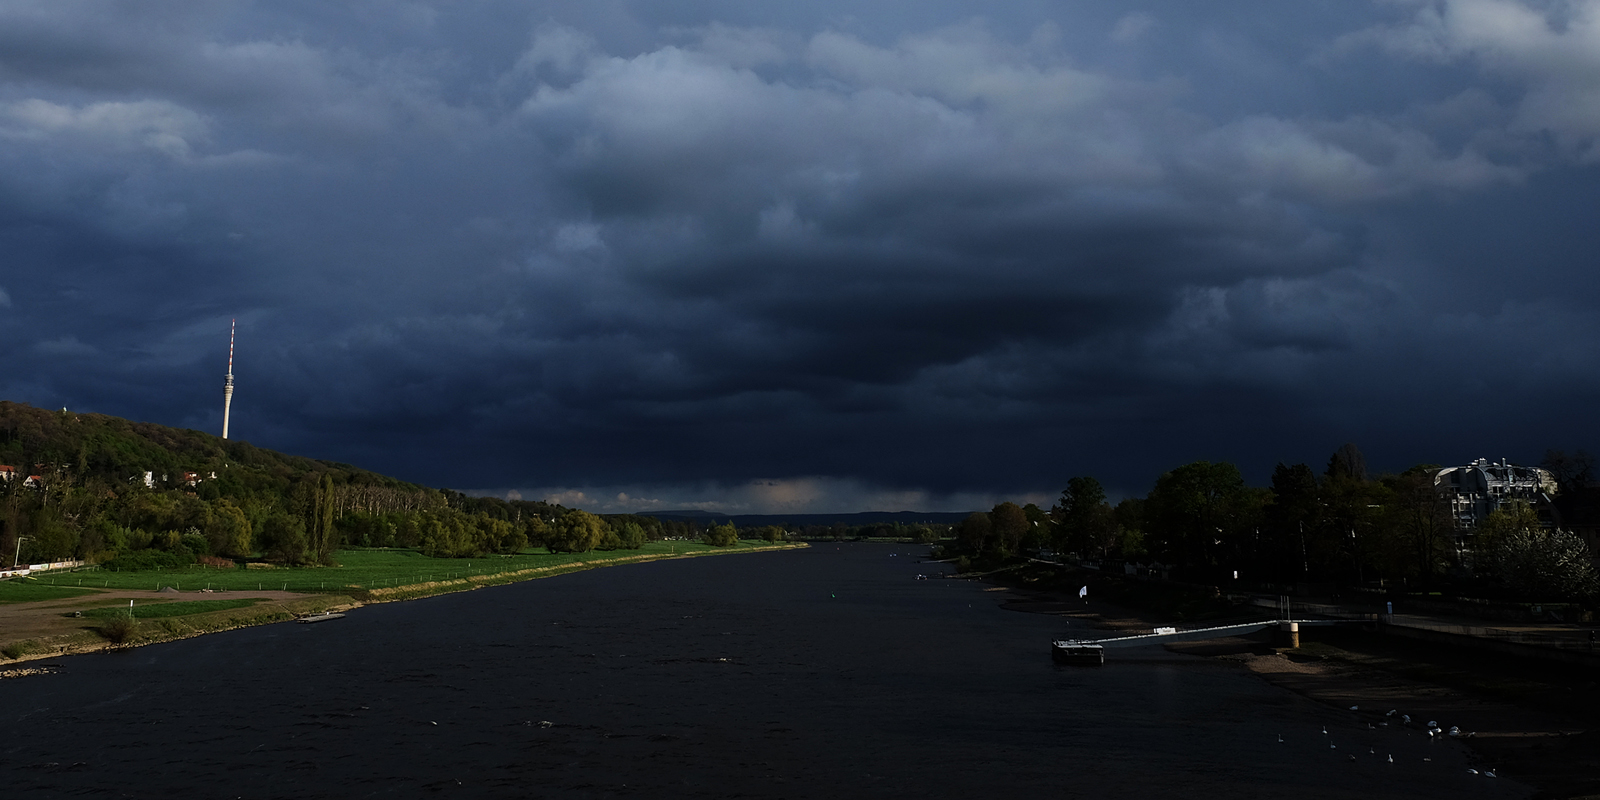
(824, 256)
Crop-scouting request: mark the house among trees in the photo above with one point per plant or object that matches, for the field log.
(1479, 489)
(7, 473)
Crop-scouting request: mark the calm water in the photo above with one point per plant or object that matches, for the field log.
(812, 673)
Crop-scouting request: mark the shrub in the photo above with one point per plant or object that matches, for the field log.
(119, 628)
(150, 559)
(19, 649)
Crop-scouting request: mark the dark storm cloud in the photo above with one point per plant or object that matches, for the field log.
(765, 257)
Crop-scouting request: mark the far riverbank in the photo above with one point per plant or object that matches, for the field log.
(42, 629)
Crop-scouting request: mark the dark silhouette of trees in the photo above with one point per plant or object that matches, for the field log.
(975, 532)
(1193, 511)
(1008, 524)
(1083, 518)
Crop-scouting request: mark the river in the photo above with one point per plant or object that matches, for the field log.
(825, 672)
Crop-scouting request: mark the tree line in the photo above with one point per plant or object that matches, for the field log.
(1341, 525)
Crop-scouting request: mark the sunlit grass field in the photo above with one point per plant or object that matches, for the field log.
(25, 591)
(356, 570)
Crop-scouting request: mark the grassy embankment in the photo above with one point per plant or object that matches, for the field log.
(385, 574)
(361, 576)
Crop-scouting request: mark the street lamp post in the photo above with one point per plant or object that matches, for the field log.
(16, 558)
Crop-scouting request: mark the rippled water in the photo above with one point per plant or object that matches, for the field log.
(812, 673)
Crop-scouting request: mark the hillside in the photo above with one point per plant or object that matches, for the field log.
(138, 495)
(63, 446)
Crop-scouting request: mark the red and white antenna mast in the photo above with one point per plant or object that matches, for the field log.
(227, 388)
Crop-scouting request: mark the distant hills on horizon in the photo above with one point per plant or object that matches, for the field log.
(856, 518)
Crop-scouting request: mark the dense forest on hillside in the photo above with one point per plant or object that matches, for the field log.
(136, 495)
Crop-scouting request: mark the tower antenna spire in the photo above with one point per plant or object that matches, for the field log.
(227, 387)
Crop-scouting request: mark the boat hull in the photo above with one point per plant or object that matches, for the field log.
(1079, 653)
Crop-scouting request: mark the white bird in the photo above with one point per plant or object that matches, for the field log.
(1471, 771)
(1391, 758)
(1280, 738)
(1455, 731)
(1372, 750)
(1332, 746)
(1324, 730)
(1391, 713)
(1489, 773)
(1406, 718)
(1355, 708)
(1433, 723)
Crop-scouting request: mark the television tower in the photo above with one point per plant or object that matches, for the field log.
(227, 387)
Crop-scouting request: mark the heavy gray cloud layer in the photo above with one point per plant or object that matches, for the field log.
(765, 258)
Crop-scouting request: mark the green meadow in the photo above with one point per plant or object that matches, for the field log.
(358, 571)
(22, 590)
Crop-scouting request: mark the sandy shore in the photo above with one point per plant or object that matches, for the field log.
(1529, 722)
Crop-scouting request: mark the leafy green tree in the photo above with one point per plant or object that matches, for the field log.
(320, 530)
(1536, 563)
(283, 538)
(631, 535)
(1009, 523)
(229, 531)
(1294, 513)
(52, 539)
(975, 533)
(1195, 514)
(1083, 518)
(722, 535)
(1128, 517)
(575, 531)
(1419, 516)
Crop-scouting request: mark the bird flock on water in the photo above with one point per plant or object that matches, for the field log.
(1433, 729)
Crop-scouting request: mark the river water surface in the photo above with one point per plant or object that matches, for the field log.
(826, 672)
